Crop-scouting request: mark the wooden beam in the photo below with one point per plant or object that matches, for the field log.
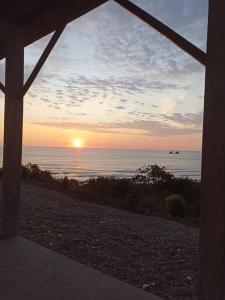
(43, 58)
(212, 208)
(177, 39)
(2, 87)
(13, 124)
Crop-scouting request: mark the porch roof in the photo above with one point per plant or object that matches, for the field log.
(39, 18)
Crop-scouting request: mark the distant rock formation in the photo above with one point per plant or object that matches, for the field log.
(177, 152)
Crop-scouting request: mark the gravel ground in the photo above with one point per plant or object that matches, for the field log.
(153, 253)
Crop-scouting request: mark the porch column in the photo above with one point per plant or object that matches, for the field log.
(13, 124)
(212, 228)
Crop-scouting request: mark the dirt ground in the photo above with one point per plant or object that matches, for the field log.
(152, 253)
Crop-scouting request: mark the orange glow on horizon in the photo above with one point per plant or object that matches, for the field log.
(44, 136)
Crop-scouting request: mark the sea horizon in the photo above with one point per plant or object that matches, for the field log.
(105, 148)
(85, 163)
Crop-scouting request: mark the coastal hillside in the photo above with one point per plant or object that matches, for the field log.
(153, 253)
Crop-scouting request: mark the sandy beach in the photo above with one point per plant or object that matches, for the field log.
(149, 252)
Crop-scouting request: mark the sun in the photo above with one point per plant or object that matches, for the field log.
(77, 143)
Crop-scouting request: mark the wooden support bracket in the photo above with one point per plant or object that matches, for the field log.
(2, 87)
(177, 39)
(43, 58)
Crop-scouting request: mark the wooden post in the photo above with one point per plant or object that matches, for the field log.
(212, 228)
(13, 123)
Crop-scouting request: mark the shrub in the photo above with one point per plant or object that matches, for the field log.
(73, 185)
(175, 205)
(152, 191)
(153, 174)
(106, 190)
(132, 202)
(33, 172)
(65, 183)
(149, 204)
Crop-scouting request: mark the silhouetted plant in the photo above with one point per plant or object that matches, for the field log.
(153, 174)
(32, 171)
(65, 183)
(145, 193)
(176, 206)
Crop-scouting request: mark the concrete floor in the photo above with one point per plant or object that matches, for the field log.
(29, 271)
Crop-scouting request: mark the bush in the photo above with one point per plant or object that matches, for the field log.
(150, 204)
(152, 191)
(110, 191)
(33, 172)
(176, 206)
(65, 183)
(153, 174)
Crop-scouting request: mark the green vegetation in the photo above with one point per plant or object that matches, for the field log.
(176, 206)
(153, 191)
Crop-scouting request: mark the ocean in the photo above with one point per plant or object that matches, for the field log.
(85, 163)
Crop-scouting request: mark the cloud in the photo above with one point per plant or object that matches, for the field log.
(186, 119)
(159, 125)
(129, 44)
(96, 86)
(121, 41)
(119, 107)
(110, 55)
(79, 89)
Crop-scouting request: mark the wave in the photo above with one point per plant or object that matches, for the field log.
(89, 163)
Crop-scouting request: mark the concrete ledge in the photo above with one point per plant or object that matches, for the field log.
(29, 271)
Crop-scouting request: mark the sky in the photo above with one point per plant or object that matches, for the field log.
(114, 82)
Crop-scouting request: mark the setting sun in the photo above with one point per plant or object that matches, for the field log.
(77, 143)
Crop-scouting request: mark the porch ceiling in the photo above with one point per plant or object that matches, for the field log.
(39, 18)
